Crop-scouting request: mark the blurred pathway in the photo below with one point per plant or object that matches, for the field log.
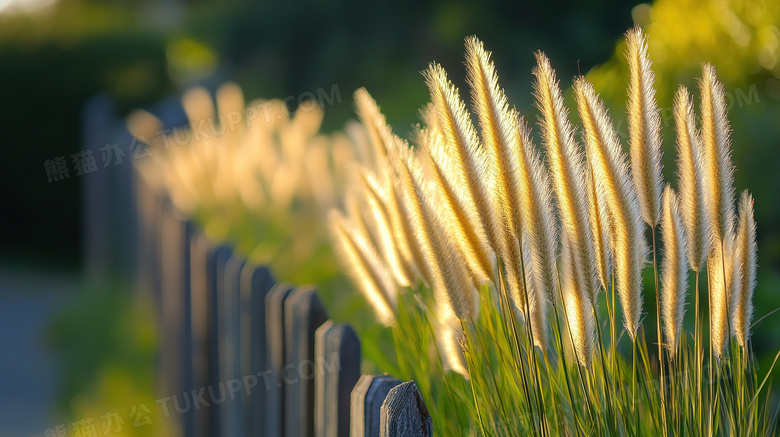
(28, 374)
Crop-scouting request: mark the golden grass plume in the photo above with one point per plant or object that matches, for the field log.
(674, 270)
(614, 185)
(644, 126)
(745, 265)
(690, 170)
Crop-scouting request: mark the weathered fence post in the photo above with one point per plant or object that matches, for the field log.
(149, 201)
(175, 353)
(232, 412)
(366, 404)
(98, 122)
(277, 338)
(187, 370)
(200, 249)
(404, 413)
(256, 282)
(215, 271)
(337, 359)
(304, 313)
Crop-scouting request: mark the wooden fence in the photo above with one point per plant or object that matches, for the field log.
(243, 355)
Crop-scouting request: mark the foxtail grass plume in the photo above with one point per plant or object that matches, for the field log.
(719, 189)
(567, 170)
(533, 195)
(614, 185)
(378, 130)
(401, 222)
(744, 271)
(403, 163)
(578, 303)
(448, 275)
(461, 214)
(407, 247)
(522, 190)
(449, 335)
(537, 304)
(674, 271)
(355, 207)
(600, 227)
(718, 169)
(495, 121)
(496, 128)
(532, 200)
(385, 235)
(468, 157)
(644, 127)
(690, 170)
(198, 105)
(720, 273)
(364, 267)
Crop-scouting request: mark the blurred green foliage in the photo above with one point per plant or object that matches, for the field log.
(106, 343)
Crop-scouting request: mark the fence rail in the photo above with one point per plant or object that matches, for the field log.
(251, 356)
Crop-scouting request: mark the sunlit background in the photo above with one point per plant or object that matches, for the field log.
(78, 338)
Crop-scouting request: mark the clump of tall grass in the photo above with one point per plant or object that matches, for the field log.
(502, 272)
(255, 174)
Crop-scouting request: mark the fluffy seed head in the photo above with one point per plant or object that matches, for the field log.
(459, 214)
(522, 193)
(364, 267)
(744, 271)
(614, 184)
(599, 226)
(446, 270)
(378, 130)
(496, 121)
(720, 271)
(374, 194)
(497, 127)
(401, 223)
(405, 165)
(644, 127)
(468, 157)
(577, 304)
(718, 169)
(532, 198)
(537, 304)
(674, 270)
(690, 171)
(449, 335)
(566, 167)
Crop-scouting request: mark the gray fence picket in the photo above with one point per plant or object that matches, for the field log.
(200, 249)
(231, 411)
(149, 204)
(367, 398)
(256, 282)
(337, 365)
(215, 270)
(277, 338)
(187, 370)
(97, 189)
(404, 413)
(304, 313)
(173, 378)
